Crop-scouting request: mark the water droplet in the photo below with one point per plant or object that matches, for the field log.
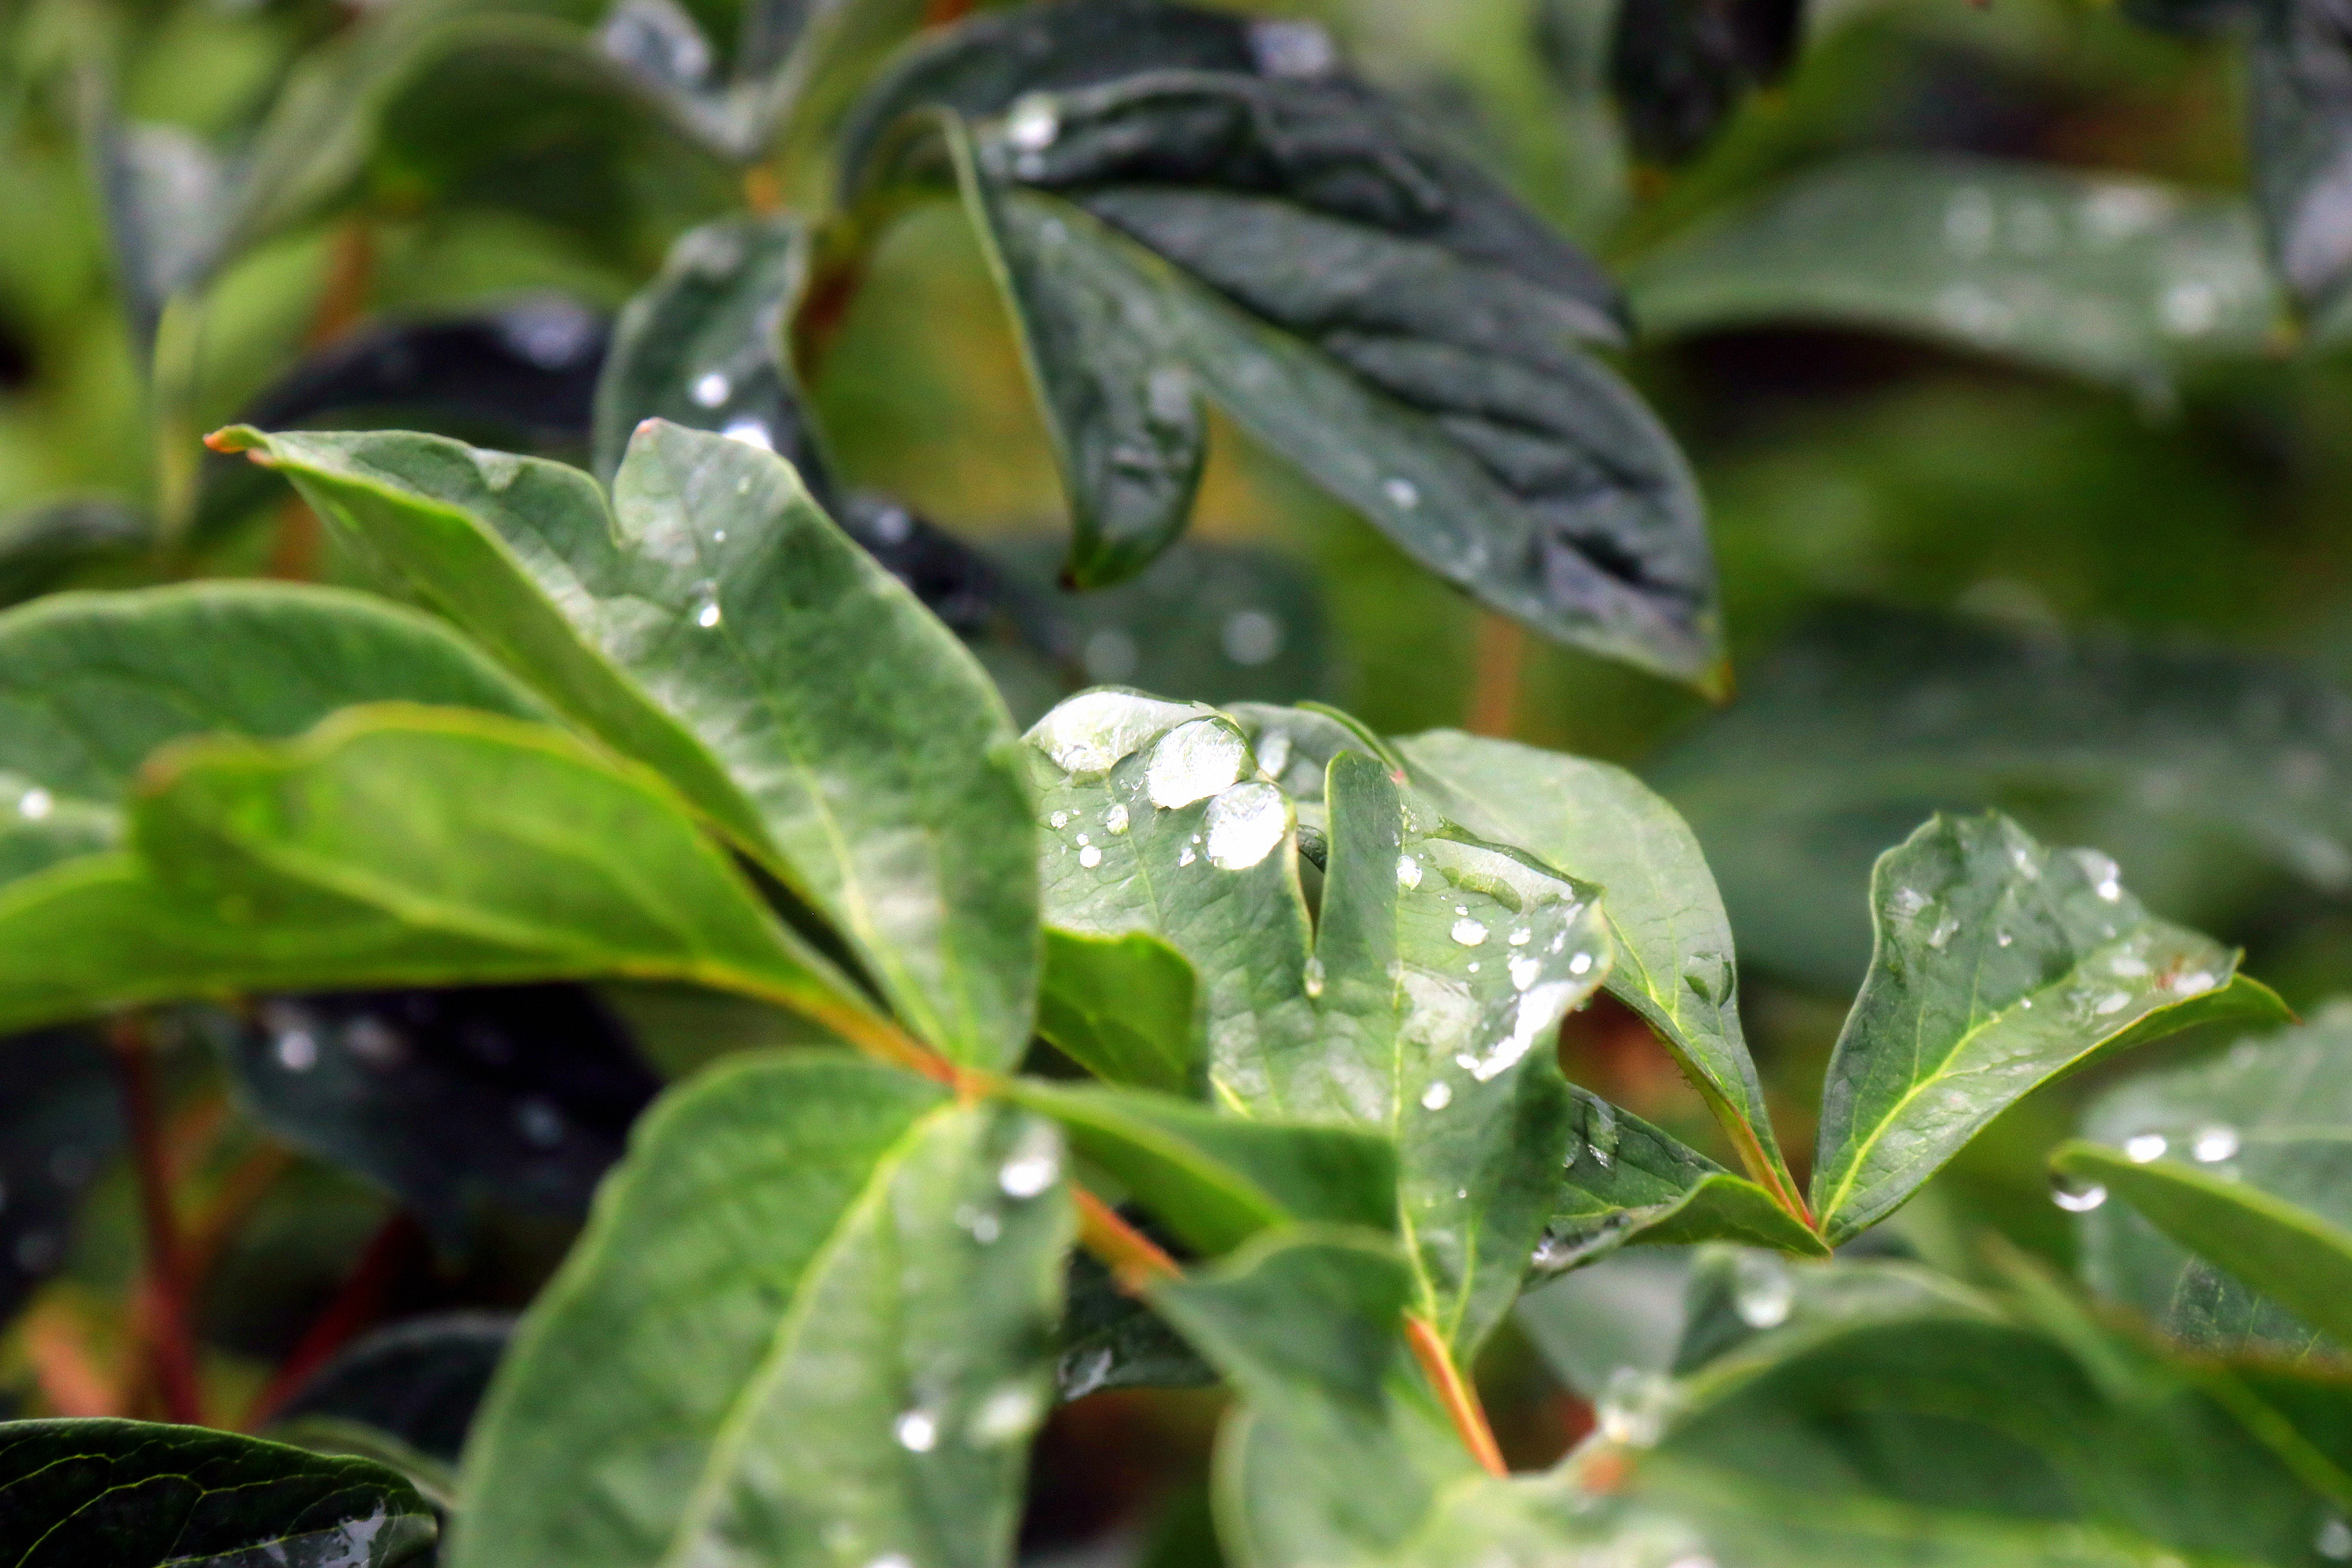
(540, 1124)
(1633, 1409)
(1194, 762)
(2195, 981)
(34, 804)
(2211, 1145)
(917, 1431)
(750, 432)
(2113, 1002)
(1082, 1372)
(1521, 937)
(1007, 1415)
(297, 1049)
(1114, 820)
(2101, 873)
(1906, 903)
(1524, 971)
(2129, 967)
(1402, 492)
(1408, 871)
(707, 613)
(1945, 928)
(1312, 977)
(892, 1560)
(1468, 933)
(718, 536)
(1436, 1097)
(1273, 753)
(1034, 123)
(1763, 1292)
(2334, 1541)
(1245, 824)
(1580, 964)
(1538, 1010)
(1059, 819)
(1187, 857)
(2076, 1198)
(711, 389)
(2003, 937)
(1090, 856)
(1027, 1175)
(1251, 636)
(2142, 1147)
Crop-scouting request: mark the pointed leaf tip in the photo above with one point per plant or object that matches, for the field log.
(240, 439)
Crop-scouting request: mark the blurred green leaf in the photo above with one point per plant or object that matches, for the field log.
(718, 626)
(1680, 68)
(861, 1383)
(44, 544)
(2000, 965)
(1675, 963)
(2122, 280)
(130, 1493)
(2300, 92)
(166, 195)
(1123, 1008)
(419, 1380)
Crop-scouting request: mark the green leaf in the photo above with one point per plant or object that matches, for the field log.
(166, 195)
(44, 545)
(1140, 781)
(2121, 280)
(419, 1380)
(1122, 1007)
(1111, 1340)
(1674, 963)
(1447, 965)
(1867, 722)
(2301, 133)
(2000, 965)
(132, 1494)
(810, 1322)
(725, 632)
(1216, 1181)
(703, 345)
(1625, 1180)
(398, 846)
(2270, 1114)
(1754, 1305)
(91, 684)
(1680, 68)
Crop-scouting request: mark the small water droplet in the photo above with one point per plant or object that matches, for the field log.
(706, 612)
(2076, 1198)
(2334, 1541)
(1187, 857)
(750, 432)
(34, 804)
(1408, 871)
(711, 389)
(1580, 964)
(917, 1431)
(1436, 1097)
(1524, 971)
(2142, 1147)
(1312, 977)
(1034, 123)
(2196, 981)
(1468, 933)
(1114, 820)
(1763, 1292)
(2113, 1002)
(2003, 937)
(892, 1560)
(297, 1050)
(1059, 819)
(1194, 762)
(1521, 937)
(1036, 1164)
(1945, 928)
(1083, 1372)
(1090, 856)
(2128, 967)
(2212, 1144)
(1402, 492)
(1008, 1413)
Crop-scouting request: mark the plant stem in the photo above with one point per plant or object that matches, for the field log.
(1456, 1393)
(1134, 1259)
(357, 1305)
(163, 1293)
(1500, 654)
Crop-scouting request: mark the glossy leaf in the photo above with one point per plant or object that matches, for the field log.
(420, 1380)
(786, 684)
(1122, 1007)
(1865, 723)
(1674, 963)
(61, 1125)
(2001, 965)
(703, 346)
(1624, 1181)
(859, 1384)
(513, 1096)
(2122, 280)
(1215, 1180)
(129, 1494)
(1447, 965)
(1680, 68)
(91, 684)
(2269, 1116)
(397, 847)
(2299, 93)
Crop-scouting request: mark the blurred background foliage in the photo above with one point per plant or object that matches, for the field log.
(1972, 551)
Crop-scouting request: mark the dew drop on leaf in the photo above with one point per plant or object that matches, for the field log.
(1312, 977)
(2213, 1144)
(1245, 824)
(1763, 1292)
(1194, 762)
(750, 432)
(1521, 937)
(1468, 933)
(1402, 492)
(1524, 971)
(711, 389)
(297, 1050)
(917, 1431)
(2076, 1198)
(1007, 1415)
(1114, 820)
(1634, 1407)
(1436, 1097)
(1034, 123)
(1090, 856)
(1408, 871)
(2142, 1147)
(34, 804)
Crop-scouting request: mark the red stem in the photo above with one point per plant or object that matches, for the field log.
(397, 1244)
(163, 1301)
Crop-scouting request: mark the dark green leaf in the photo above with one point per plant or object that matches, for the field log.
(1303, 1322)
(420, 1380)
(724, 631)
(129, 1494)
(398, 846)
(91, 684)
(2270, 1115)
(2122, 280)
(1122, 1007)
(1755, 1305)
(1215, 1180)
(1866, 723)
(810, 1322)
(1680, 68)
(60, 1124)
(1674, 963)
(1111, 1340)
(43, 545)
(703, 345)
(2000, 965)
(2300, 97)
(512, 1096)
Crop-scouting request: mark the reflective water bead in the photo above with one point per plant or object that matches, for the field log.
(34, 804)
(2077, 1199)
(1524, 971)
(2142, 1147)
(1436, 1097)
(297, 1050)
(711, 389)
(2211, 1145)
(1034, 123)
(750, 432)
(1312, 977)
(1402, 492)
(1468, 933)
(1521, 937)
(1090, 856)
(1763, 1292)
(1408, 871)
(1245, 824)
(1194, 762)
(1114, 820)
(917, 1431)
(1580, 964)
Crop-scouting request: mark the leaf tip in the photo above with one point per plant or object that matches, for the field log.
(232, 439)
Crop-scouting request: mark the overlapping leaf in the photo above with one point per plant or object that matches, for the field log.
(1122, 1007)
(723, 631)
(420, 1381)
(860, 1385)
(2000, 965)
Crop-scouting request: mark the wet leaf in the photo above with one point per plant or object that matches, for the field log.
(398, 846)
(2269, 1116)
(723, 631)
(1674, 963)
(1111, 1340)
(1122, 1007)
(1680, 68)
(2122, 280)
(1754, 1306)
(130, 1494)
(516, 1096)
(860, 1383)
(2001, 965)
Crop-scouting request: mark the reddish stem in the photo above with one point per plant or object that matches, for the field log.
(1500, 653)
(1134, 1259)
(1456, 1393)
(395, 1248)
(162, 1294)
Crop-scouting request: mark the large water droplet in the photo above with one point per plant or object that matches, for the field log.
(1090, 856)
(35, 804)
(1524, 971)
(1034, 123)
(711, 389)
(1114, 820)
(752, 432)
(917, 1431)
(1468, 933)
(1312, 977)
(706, 612)
(2142, 1147)
(2076, 1198)
(1521, 937)
(1245, 824)
(2213, 1144)
(1059, 819)
(1634, 1408)
(1763, 1292)
(1408, 872)
(1581, 963)
(1437, 1096)
(2334, 1541)
(1194, 762)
